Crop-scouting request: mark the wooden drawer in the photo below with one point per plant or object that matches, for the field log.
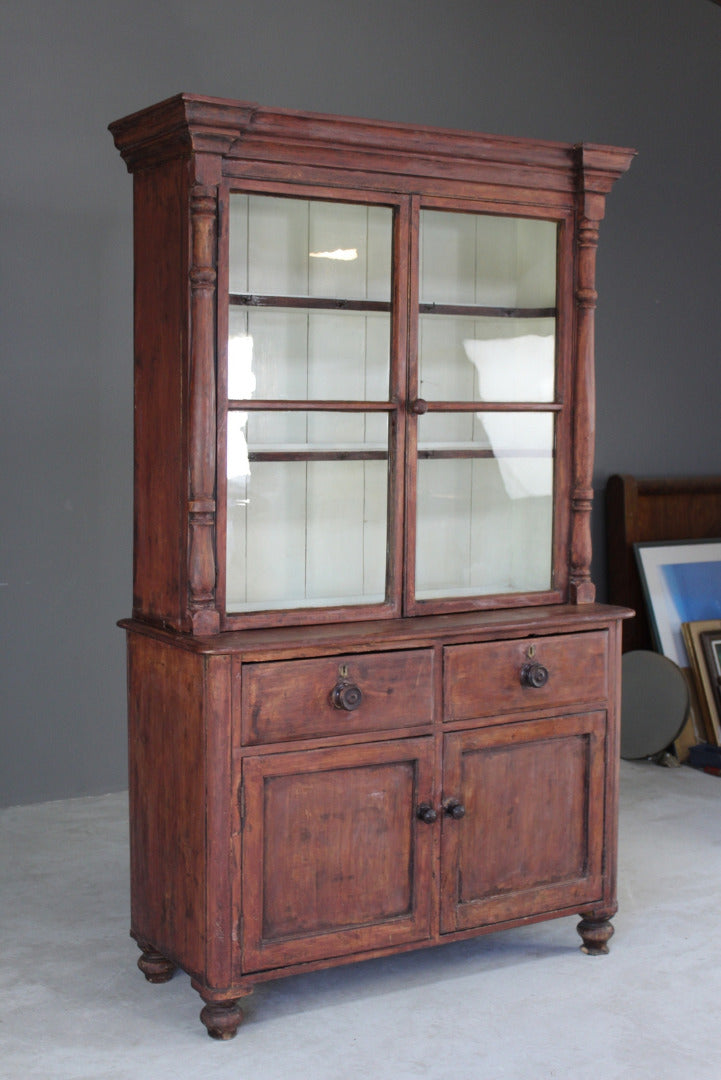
(497, 677)
(293, 699)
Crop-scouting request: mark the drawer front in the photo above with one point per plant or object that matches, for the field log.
(335, 695)
(498, 677)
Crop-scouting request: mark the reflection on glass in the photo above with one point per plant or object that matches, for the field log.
(484, 504)
(241, 378)
(307, 509)
(301, 354)
(336, 346)
(517, 368)
(488, 359)
(487, 320)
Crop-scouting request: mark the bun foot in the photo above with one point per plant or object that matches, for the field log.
(222, 1018)
(595, 934)
(155, 967)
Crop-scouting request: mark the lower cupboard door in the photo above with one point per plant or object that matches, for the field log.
(335, 858)
(531, 838)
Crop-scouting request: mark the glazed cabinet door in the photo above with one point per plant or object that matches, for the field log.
(488, 424)
(336, 859)
(309, 404)
(527, 837)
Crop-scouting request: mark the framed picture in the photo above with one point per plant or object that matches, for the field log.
(682, 583)
(711, 642)
(703, 645)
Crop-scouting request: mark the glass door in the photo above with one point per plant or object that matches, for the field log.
(481, 502)
(311, 433)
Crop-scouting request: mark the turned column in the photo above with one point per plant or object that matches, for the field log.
(201, 502)
(582, 589)
(598, 168)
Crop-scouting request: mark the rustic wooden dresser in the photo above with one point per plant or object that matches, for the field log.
(373, 705)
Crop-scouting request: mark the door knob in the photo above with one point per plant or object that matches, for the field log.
(454, 808)
(426, 813)
(346, 695)
(534, 675)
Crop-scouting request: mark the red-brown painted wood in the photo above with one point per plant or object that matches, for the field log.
(489, 679)
(336, 860)
(293, 699)
(310, 788)
(531, 836)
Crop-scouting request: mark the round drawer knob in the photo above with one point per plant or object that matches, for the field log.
(346, 695)
(427, 813)
(454, 809)
(419, 407)
(534, 675)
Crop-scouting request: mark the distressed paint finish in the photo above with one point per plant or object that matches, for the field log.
(318, 786)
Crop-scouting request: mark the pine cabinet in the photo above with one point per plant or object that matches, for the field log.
(373, 704)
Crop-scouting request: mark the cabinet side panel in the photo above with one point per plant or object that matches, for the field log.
(161, 255)
(167, 800)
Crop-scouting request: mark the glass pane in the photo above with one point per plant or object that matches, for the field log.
(486, 359)
(488, 261)
(282, 353)
(307, 509)
(297, 247)
(502, 264)
(484, 504)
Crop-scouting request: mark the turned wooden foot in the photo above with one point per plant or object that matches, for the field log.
(222, 1018)
(595, 934)
(155, 967)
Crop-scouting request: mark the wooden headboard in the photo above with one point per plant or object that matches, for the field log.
(643, 509)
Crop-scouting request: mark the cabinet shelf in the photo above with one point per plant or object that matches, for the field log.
(313, 303)
(327, 303)
(425, 453)
(295, 405)
(456, 452)
(317, 455)
(477, 311)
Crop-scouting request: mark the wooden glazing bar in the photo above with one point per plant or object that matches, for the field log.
(493, 406)
(276, 405)
(318, 455)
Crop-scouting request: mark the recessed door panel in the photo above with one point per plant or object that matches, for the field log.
(336, 860)
(530, 840)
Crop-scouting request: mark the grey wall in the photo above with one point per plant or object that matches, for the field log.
(631, 72)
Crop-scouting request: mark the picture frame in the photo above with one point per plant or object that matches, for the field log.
(695, 634)
(711, 642)
(681, 583)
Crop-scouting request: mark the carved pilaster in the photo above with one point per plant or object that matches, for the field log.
(201, 501)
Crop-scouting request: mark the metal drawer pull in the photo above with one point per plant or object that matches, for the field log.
(346, 695)
(454, 808)
(534, 675)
